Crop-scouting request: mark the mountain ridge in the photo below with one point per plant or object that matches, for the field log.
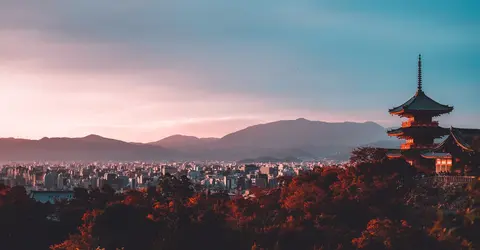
(300, 138)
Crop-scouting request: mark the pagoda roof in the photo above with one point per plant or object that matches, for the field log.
(420, 102)
(466, 138)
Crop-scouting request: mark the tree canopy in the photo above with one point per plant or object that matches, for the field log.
(358, 207)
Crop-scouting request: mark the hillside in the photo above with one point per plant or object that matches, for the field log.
(180, 141)
(302, 132)
(299, 138)
(89, 148)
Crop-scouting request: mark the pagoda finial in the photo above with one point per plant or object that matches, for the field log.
(419, 72)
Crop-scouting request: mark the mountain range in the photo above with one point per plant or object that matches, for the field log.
(301, 138)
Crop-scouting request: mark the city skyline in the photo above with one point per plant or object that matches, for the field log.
(142, 72)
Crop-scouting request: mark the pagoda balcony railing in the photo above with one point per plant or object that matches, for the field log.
(417, 146)
(419, 124)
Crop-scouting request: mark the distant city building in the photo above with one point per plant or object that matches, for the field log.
(269, 170)
(50, 181)
(94, 182)
(169, 170)
(133, 183)
(60, 181)
(261, 181)
(230, 182)
(110, 178)
(140, 179)
(122, 181)
(272, 182)
(214, 176)
(101, 182)
(34, 180)
(249, 168)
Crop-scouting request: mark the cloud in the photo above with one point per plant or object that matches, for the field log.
(180, 66)
(374, 27)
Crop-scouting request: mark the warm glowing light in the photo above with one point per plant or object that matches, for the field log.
(443, 165)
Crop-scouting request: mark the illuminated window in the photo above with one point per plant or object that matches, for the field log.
(443, 165)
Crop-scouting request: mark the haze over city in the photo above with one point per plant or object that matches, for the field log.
(141, 72)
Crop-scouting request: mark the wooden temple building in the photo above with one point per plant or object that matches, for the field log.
(458, 152)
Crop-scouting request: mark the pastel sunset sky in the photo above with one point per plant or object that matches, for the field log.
(142, 70)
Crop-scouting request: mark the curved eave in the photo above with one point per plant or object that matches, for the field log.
(400, 109)
(394, 133)
(396, 112)
(394, 155)
(460, 142)
(433, 155)
(409, 112)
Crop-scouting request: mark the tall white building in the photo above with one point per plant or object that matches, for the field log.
(50, 180)
(34, 180)
(133, 183)
(60, 181)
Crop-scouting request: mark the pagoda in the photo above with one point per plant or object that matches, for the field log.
(420, 130)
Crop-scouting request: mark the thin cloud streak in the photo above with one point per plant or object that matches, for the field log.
(138, 71)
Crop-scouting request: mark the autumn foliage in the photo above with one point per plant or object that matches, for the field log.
(357, 207)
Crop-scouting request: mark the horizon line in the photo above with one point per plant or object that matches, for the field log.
(179, 134)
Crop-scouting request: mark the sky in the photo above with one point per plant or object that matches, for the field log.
(143, 70)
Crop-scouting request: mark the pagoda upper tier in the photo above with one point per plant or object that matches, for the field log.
(420, 103)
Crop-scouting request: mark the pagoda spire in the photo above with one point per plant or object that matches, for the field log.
(419, 72)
